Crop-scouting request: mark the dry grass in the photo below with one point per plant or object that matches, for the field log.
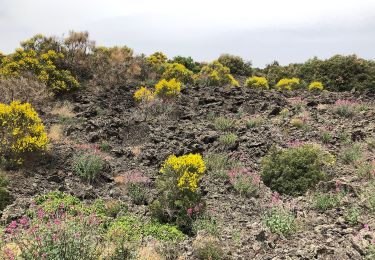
(136, 150)
(63, 111)
(149, 252)
(24, 90)
(55, 133)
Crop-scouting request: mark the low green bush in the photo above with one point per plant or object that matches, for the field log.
(294, 170)
(88, 166)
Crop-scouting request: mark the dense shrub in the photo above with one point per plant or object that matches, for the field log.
(179, 72)
(223, 123)
(296, 169)
(88, 166)
(257, 82)
(42, 66)
(338, 73)
(23, 89)
(236, 64)
(215, 74)
(280, 220)
(157, 61)
(21, 132)
(188, 62)
(179, 199)
(165, 89)
(208, 247)
(61, 237)
(278, 217)
(143, 95)
(288, 84)
(315, 86)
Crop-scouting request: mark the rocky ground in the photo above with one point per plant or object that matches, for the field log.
(136, 142)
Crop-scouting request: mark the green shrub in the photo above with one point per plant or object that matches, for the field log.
(188, 62)
(60, 237)
(88, 166)
(137, 193)
(55, 202)
(326, 137)
(228, 140)
(105, 146)
(215, 74)
(352, 215)
(236, 64)
(254, 122)
(296, 169)
(351, 154)
(257, 82)
(177, 71)
(324, 201)
(223, 124)
(280, 220)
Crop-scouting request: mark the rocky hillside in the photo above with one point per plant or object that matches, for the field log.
(232, 128)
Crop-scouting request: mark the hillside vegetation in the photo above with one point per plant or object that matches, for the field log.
(106, 154)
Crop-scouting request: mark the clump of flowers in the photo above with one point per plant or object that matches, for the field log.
(143, 95)
(316, 85)
(21, 132)
(245, 182)
(216, 74)
(188, 170)
(257, 82)
(58, 237)
(287, 84)
(179, 201)
(279, 218)
(165, 89)
(345, 108)
(179, 72)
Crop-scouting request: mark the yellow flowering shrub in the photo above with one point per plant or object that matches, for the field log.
(188, 170)
(21, 131)
(157, 59)
(179, 199)
(168, 89)
(216, 74)
(315, 86)
(143, 95)
(287, 84)
(42, 66)
(257, 82)
(177, 71)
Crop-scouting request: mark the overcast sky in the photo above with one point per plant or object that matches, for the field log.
(260, 31)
